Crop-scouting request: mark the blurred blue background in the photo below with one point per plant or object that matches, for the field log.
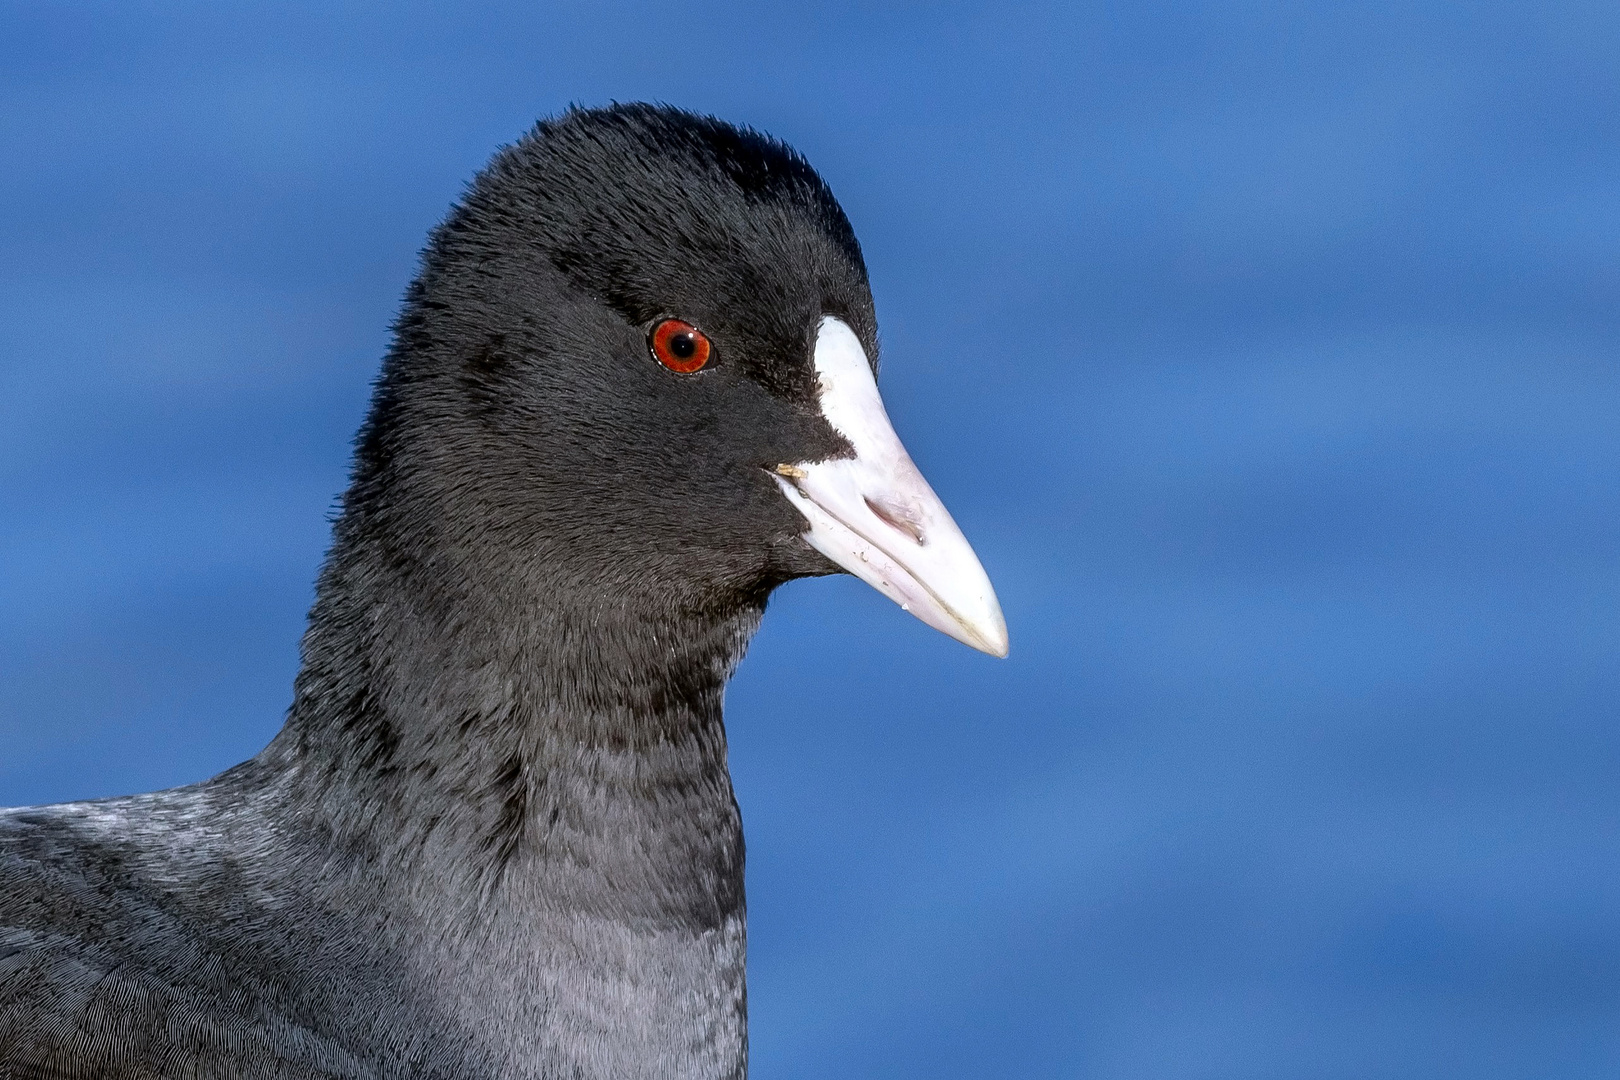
(1267, 353)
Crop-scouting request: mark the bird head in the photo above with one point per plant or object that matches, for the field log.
(640, 361)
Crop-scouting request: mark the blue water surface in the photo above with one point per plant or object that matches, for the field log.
(1268, 353)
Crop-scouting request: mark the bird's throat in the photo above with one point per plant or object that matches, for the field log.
(530, 760)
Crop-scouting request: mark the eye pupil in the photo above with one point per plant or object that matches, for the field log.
(683, 346)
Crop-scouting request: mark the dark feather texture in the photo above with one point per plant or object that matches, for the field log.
(496, 836)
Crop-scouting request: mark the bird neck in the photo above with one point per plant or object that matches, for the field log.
(521, 752)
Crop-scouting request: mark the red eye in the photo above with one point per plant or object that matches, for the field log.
(680, 346)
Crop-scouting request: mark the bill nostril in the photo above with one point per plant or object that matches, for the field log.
(902, 520)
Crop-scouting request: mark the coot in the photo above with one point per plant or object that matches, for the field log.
(630, 393)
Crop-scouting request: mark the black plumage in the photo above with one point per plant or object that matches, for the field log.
(497, 835)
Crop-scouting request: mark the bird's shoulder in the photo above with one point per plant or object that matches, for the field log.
(100, 976)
